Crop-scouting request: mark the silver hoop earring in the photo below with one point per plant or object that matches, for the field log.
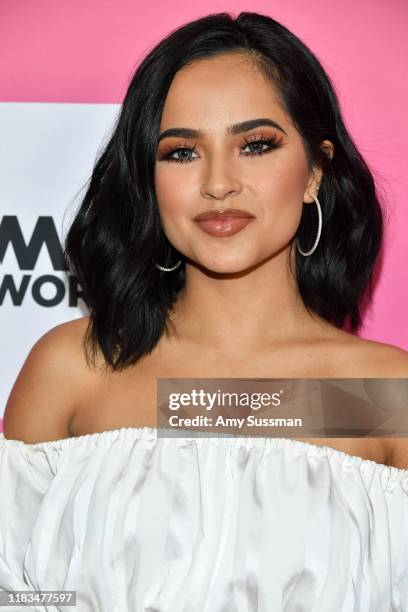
(319, 231)
(168, 269)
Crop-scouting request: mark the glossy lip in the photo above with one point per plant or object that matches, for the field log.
(223, 214)
(224, 225)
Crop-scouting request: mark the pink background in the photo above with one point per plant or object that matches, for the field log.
(85, 51)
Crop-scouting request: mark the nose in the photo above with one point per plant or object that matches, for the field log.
(220, 180)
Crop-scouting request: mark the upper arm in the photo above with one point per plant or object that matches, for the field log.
(395, 365)
(48, 386)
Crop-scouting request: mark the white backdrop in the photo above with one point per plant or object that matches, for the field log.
(47, 152)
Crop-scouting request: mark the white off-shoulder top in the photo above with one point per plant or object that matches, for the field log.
(139, 523)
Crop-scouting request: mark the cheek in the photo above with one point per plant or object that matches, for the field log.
(174, 197)
(165, 184)
(280, 194)
(173, 186)
(281, 186)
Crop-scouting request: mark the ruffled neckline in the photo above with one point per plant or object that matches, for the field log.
(264, 443)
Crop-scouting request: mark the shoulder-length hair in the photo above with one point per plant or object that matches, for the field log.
(116, 233)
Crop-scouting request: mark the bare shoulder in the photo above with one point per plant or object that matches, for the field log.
(49, 385)
(372, 359)
(361, 357)
(393, 363)
(385, 360)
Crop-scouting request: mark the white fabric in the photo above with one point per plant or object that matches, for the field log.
(138, 523)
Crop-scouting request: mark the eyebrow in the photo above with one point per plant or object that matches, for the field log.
(236, 128)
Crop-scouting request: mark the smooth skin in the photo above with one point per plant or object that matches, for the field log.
(240, 313)
(238, 298)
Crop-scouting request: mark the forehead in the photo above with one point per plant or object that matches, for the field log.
(217, 91)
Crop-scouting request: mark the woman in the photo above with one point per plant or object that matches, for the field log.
(230, 228)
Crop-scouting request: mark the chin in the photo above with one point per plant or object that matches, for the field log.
(226, 267)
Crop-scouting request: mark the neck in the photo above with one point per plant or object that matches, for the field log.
(242, 313)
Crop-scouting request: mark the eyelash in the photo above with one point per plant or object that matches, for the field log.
(273, 143)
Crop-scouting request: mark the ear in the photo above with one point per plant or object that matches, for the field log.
(317, 174)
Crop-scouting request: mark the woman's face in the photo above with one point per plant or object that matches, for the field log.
(217, 169)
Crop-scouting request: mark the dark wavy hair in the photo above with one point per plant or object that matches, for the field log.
(116, 233)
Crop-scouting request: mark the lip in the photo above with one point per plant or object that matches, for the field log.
(223, 226)
(223, 214)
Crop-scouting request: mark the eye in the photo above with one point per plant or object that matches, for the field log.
(183, 151)
(259, 145)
